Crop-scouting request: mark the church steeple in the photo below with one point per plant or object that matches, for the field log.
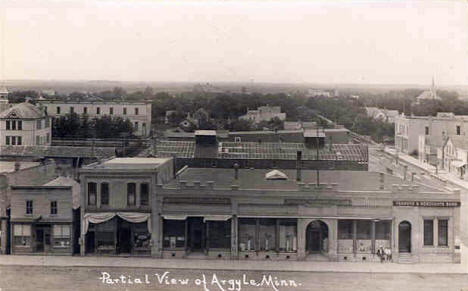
(433, 89)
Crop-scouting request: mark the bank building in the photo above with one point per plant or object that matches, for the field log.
(145, 206)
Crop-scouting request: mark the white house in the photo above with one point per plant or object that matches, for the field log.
(25, 125)
(264, 113)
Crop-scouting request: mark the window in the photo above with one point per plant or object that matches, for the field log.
(61, 235)
(443, 232)
(48, 137)
(267, 233)
(38, 124)
(8, 125)
(247, 234)
(92, 189)
(220, 234)
(428, 232)
(22, 235)
(237, 139)
(426, 130)
(383, 230)
(136, 111)
(58, 109)
(458, 130)
(38, 140)
(47, 122)
(53, 207)
(363, 229)
(144, 194)
(131, 194)
(125, 110)
(20, 125)
(72, 109)
(98, 110)
(173, 234)
(85, 110)
(29, 207)
(288, 235)
(7, 140)
(345, 229)
(104, 193)
(136, 125)
(13, 125)
(13, 140)
(111, 110)
(19, 140)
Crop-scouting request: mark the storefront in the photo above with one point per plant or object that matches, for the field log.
(117, 233)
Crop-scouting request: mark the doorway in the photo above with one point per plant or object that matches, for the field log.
(125, 235)
(42, 241)
(196, 234)
(404, 237)
(317, 237)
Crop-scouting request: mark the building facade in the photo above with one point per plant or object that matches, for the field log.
(264, 113)
(139, 113)
(41, 220)
(435, 128)
(25, 125)
(116, 201)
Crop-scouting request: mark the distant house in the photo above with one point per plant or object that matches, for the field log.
(455, 155)
(25, 125)
(264, 113)
(382, 114)
(195, 120)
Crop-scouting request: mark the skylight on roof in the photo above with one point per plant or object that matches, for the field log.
(276, 175)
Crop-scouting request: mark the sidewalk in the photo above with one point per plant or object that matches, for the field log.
(264, 266)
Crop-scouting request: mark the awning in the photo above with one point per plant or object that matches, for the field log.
(175, 216)
(458, 164)
(133, 217)
(216, 217)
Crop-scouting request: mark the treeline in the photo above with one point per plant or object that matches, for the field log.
(72, 125)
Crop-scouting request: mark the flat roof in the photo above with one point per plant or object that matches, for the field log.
(9, 166)
(129, 163)
(254, 179)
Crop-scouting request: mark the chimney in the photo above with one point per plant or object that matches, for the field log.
(298, 166)
(382, 181)
(236, 171)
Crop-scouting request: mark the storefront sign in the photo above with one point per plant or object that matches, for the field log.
(427, 203)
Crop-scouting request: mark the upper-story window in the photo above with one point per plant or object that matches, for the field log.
(39, 124)
(136, 111)
(92, 189)
(20, 125)
(136, 125)
(125, 110)
(72, 109)
(53, 207)
(47, 122)
(426, 129)
(8, 125)
(58, 109)
(104, 193)
(131, 194)
(458, 130)
(13, 125)
(85, 110)
(98, 110)
(144, 194)
(111, 110)
(29, 207)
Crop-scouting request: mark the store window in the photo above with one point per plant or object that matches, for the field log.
(92, 192)
(104, 236)
(364, 230)
(345, 229)
(219, 234)
(61, 235)
(383, 230)
(287, 235)
(247, 228)
(267, 233)
(141, 236)
(428, 232)
(443, 232)
(174, 234)
(22, 235)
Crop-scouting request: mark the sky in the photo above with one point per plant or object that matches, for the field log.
(360, 42)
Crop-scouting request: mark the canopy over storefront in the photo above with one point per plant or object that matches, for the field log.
(133, 217)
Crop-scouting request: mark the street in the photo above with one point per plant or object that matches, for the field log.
(106, 278)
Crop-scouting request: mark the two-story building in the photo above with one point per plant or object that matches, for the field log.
(117, 198)
(435, 129)
(25, 124)
(42, 220)
(139, 113)
(455, 155)
(264, 113)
